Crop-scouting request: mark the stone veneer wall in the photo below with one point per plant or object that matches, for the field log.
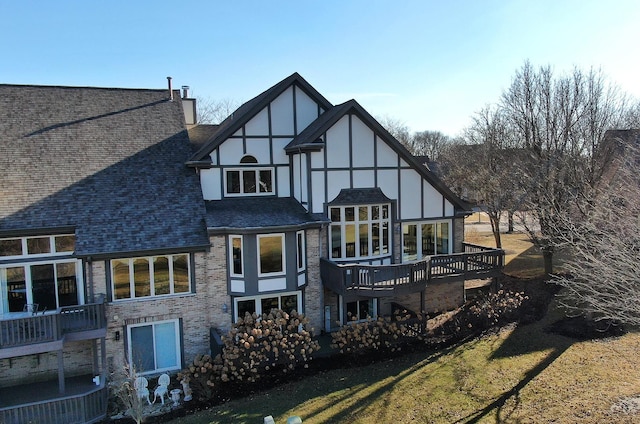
(314, 293)
(458, 236)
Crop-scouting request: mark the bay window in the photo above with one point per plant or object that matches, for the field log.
(359, 231)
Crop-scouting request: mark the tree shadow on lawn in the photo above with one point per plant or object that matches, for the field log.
(523, 340)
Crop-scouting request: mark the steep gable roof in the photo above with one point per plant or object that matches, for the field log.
(248, 110)
(311, 139)
(108, 163)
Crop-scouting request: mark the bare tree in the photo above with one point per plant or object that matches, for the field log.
(483, 167)
(211, 111)
(398, 129)
(603, 236)
(559, 123)
(429, 143)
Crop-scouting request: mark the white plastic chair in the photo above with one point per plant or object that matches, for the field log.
(142, 388)
(162, 389)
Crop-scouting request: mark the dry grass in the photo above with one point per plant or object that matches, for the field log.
(517, 375)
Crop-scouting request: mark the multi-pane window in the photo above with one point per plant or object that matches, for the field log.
(424, 239)
(154, 347)
(271, 260)
(263, 304)
(63, 244)
(43, 276)
(150, 276)
(359, 231)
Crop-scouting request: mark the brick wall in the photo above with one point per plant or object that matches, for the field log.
(77, 357)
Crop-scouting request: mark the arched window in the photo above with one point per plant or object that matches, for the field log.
(248, 159)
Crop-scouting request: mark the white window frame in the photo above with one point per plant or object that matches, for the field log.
(4, 301)
(301, 251)
(232, 272)
(437, 224)
(258, 302)
(176, 323)
(255, 169)
(373, 307)
(283, 253)
(356, 223)
(52, 246)
(152, 290)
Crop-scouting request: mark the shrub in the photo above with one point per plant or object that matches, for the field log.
(381, 334)
(274, 342)
(253, 348)
(203, 376)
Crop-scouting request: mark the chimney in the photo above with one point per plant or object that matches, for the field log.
(185, 91)
(170, 89)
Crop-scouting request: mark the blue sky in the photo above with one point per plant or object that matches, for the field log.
(430, 64)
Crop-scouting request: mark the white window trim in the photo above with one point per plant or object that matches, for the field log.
(283, 250)
(151, 277)
(255, 169)
(231, 264)
(29, 284)
(26, 254)
(301, 248)
(153, 323)
(418, 225)
(356, 222)
(258, 298)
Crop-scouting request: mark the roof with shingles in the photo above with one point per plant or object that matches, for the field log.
(108, 162)
(259, 212)
(248, 110)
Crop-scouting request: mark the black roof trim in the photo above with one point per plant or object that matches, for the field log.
(251, 108)
(28, 232)
(318, 128)
(139, 253)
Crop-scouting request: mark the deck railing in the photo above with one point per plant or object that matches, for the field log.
(381, 280)
(51, 327)
(88, 407)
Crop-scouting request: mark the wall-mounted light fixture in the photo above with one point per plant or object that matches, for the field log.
(117, 335)
(225, 308)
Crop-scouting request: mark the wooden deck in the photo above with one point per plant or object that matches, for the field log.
(83, 402)
(476, 262)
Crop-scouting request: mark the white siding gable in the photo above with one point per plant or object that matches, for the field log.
(282, 114)
(337, 144)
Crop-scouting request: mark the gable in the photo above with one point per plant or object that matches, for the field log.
(283, 110)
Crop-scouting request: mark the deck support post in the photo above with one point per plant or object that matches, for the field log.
(61, 387)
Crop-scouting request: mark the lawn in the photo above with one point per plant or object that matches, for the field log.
(520, 374)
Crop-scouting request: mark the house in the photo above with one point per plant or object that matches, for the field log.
(136, 231)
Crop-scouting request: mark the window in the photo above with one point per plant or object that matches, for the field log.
(263, 304)
(44, 276)
(150, 276)
(271, 251)
(359, 231)
(237, 265)
(250, 179)
(57, 245)
(421, 240)
(154, 347)
(300, 251)
(360, 310)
